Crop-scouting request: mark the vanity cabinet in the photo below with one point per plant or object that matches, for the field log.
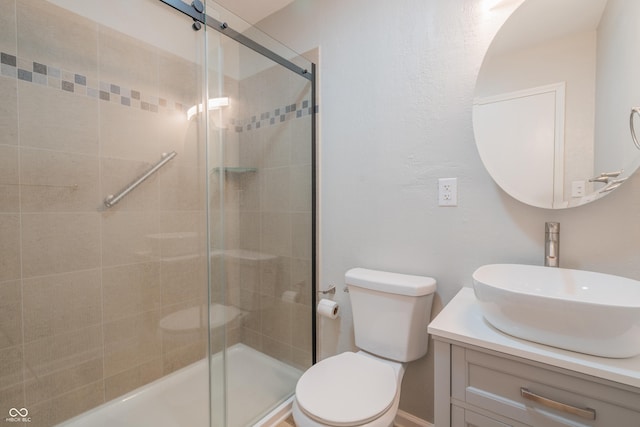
(485, 378)
(477, 387)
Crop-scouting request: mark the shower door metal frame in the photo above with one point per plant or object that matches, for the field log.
(191, 10)
(223, 28)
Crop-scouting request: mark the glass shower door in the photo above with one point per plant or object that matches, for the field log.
(98, 301)
(261, 196)
(186, 298)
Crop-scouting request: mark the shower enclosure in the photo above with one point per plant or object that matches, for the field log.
(156, 215)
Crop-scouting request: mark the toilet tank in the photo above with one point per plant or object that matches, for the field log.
(391, 312)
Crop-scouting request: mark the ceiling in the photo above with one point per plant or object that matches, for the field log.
(253, 11)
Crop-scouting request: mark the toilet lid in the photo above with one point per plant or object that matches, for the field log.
(347, 389)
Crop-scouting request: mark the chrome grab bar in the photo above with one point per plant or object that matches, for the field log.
(586, 413)
(113, 199)
(635, 110)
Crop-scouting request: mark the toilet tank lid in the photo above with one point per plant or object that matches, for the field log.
(394, 283)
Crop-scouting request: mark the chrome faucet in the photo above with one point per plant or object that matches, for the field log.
(552, 244)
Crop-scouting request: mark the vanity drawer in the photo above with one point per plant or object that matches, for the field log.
(461, 417)
(537, 396)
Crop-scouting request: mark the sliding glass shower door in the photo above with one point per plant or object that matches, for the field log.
(156, 217)
(260, 133)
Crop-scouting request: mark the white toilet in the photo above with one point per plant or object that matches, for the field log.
(390, 316)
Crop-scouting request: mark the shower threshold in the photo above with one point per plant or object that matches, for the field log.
(256, 383)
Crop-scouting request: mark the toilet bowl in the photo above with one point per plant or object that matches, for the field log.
(391, 312)
(350, 389)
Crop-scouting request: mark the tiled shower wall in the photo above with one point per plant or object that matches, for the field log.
(83, 111)
(272, 278)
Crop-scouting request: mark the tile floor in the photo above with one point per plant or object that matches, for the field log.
(287, 423)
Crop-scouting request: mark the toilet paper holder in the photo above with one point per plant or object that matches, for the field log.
(331, 290)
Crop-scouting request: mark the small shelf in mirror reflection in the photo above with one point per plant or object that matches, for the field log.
(233, 170)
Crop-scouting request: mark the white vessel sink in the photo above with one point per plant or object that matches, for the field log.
(592, 313)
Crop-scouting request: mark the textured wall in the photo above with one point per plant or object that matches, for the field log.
(396, 88)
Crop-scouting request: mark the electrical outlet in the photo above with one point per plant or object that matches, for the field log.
(577, 188)
(448, 192)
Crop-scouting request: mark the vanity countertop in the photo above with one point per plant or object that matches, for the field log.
(462, 321)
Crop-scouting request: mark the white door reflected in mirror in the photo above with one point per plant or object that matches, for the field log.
(579, 151)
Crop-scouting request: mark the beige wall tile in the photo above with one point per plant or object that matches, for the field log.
(65, 406)
(177, 338)
(275, 145)
(275, 233)
(276, 319)
(183, 278)
(277, 349)
(249, 192)
(275, 190)
(130, 290)
(124, 237)
(251, 338)
(56, 383)
(249, 231)
(61, 303)
(9, 177)
(9, 247)
(8, 29)
(253, 318)
(54, 36)
(182, 233)
(301, 235)
(122, 383)
(57, 243)
(11, 363)
(301, 277)
(275, 276)
(301, 359)
(141, 71)
(10, 313)
(8, 109)
(131, 133)
(179, 79)
(249, 155)
(301, 327)
(63, 352)
(59, 365)
(11, 396)
(54, 181)
(181, 357)
(301, 140)
(301, 188)
(131, 341)
(249, 302)
(182, 188)
(249, 274)
(57, 120)
(231, 238)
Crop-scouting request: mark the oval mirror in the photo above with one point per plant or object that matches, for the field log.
(554, 98)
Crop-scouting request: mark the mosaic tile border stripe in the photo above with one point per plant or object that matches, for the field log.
(275, 116)
(42, 74)
(35, 72)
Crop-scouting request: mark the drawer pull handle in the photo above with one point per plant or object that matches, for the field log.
(587, 413)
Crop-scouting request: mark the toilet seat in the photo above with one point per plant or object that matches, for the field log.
(346, 390)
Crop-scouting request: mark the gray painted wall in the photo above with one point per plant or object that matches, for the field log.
(396, 88)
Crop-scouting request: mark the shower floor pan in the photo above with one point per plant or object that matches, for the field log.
(256, 383)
